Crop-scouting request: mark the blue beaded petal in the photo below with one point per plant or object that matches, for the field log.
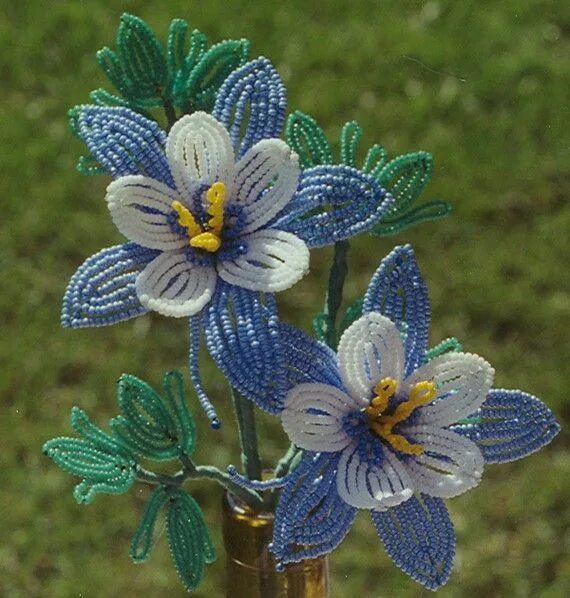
(102, 290)
(242, 334)
(510, 425)
(419, 537)
(123, 142)
(333, 203)
(254, 92)
(311, 519)
(398, 291)
(307, 360)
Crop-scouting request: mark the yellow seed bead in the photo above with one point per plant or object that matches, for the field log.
(208, 241)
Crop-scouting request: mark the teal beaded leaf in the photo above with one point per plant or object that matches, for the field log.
(156, 428)
(352, 313)
(350, 137)
(147, 77)
(321, 326)
(105, 464)
(405, 177)
(142, 541)
(449, 345)
(306, 137)
(190, 544)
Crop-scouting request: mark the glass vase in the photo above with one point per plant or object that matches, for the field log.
(250, 567)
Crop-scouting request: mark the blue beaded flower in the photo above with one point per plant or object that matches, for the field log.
(218, 216)
(389, 427)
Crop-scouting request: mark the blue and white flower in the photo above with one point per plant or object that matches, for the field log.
(385, 426)
(218, 217)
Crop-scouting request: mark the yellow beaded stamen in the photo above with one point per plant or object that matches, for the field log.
(209, 239)
(382, 425)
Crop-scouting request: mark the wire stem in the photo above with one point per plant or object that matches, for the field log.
(337, 276)
(245, 416)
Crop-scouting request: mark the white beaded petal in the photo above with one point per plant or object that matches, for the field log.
(320, 430)
(367, 486)
(369, 350)
(199, 149)
(465, 379)
(172, 286)
(458, 468)
(139, 207)
(275, 260)
(266, 179)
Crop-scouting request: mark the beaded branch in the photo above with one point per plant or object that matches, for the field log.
(220, 213)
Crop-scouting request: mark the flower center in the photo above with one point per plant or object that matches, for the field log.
(382, 424)
(209, 236)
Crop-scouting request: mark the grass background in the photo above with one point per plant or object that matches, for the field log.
(482, 85)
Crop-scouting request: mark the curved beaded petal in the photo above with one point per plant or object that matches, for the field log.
(306, 359)
(254, 91)
(102, 290)
(243, 337)
(419, 537)
(275, 261)
(310, 519)
(510, 425)
(398, 291)
(333, 203)
(123, 141)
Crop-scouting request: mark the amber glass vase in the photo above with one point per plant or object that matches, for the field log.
(251, 567)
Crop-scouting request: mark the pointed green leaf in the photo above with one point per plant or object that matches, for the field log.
(81, 423)
(176, 45)
(174, 398)
(198, 46)
(88, 166)
(111, 66)
(321, 326)
(141, 57)
(141, 543)
(375, 160)
(306, 137)
(212, 70)
(433, 210)
(146, 426)
(350, 137)
(188, 537)
(405, 177)
(446, 346)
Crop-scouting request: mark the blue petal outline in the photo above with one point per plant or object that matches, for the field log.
(510, 425)
(307, 359)
(102, 290)
(419, 537)
(311, 519)
(123, 141)
(256, 88)
(242, 334)
(332, 203)
(398, 291)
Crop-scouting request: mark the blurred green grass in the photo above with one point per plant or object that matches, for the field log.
(484, 86)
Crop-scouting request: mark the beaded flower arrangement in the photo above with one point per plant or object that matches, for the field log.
(219, 214)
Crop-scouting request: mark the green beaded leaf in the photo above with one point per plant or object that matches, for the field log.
(146, 425)
(213, 69)
(188, 537)
(321, 326)
(176, 45)
(306, 137)
(405, 177)
(446, 346)
(106, 465)
(352, 313)
(350, 137)
(198, 47)
(173, 384)
(375, 160)
(141, 58)
(142, 541)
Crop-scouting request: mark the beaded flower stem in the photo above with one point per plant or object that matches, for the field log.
(192, 471)
(170, 112)
(337, 276)
(247, 435)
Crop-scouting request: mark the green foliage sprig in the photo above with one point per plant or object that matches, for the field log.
(157, 428)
